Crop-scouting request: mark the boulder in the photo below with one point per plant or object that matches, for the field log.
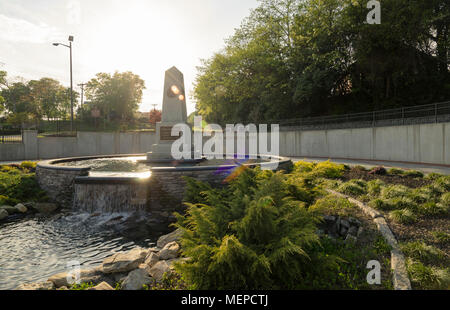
(68, 279)
(169, 251)
(9, 209)
(43, 286)
(135, 280)
(21, 208)
(123, 262)
(45, 208)
(151, 259)
(173, 236)
(101, 287)
(157, 272)
(3, 214)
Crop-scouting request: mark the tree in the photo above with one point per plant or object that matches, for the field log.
(312, 57)
(117, 95)
(155, 116)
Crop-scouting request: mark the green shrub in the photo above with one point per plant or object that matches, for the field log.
(329, 170)
(433, 176)
(441, 237)
(304, 166)
(422, 252)
(353, 187)
(403, 216)
(396, 171)
(433, 209)
(422, 194)
(403, 203)
(445, 199)
(414, 174)
(333, 205)
(254, 236)
(381, 204)
(395, 191)
(374, 187)
(427, 278)
(28, 165)
(442, 184)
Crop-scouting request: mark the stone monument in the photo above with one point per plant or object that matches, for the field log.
(173, 112)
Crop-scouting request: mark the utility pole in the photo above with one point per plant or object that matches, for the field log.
(154, 106)
(82, 85)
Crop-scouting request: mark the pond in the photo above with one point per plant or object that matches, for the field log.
(33, 249)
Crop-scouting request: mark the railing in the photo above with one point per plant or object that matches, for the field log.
(11, 136)
(430, 113)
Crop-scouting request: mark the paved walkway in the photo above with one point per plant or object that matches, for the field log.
(366, 163)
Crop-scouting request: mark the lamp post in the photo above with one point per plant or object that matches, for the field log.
(71, 79)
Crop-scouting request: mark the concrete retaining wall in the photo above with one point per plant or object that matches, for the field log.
(421, 143)
(85, 144)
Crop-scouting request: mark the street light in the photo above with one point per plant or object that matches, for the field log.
(71, 79)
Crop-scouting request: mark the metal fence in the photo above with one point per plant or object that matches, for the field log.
(430, 113)
(11, 136)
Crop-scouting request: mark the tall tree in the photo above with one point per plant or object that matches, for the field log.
(117, 95)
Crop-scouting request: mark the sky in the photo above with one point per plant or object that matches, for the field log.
(146, 37)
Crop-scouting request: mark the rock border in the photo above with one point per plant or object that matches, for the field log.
(400, 276)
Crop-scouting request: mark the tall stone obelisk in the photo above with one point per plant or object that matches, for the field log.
(173, 112)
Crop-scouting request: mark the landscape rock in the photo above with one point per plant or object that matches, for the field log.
(45, 208)
(101, 287)
(65, 279)
(43, 286)
(173, 236)
(123, 262)
(21, 208)
(151, 259)
(169, 251)
(157, 272)
(3, 214)
(9, 209)
(135, 280)
(353, 231)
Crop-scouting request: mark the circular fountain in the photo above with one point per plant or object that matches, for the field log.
(152, 182)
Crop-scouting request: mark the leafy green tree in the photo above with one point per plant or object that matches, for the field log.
(117, 95)
(313, 57)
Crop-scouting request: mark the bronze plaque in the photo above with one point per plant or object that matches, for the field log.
(166, 134)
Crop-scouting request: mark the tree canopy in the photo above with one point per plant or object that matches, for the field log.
(117, 96)
(299, 58)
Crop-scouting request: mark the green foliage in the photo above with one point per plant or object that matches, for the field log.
(327, 169)
(117, 96)
(403, 216)
(442, 184)
(433, 209)
(413, 174)
(433, 176)
(259, 237)
(445, 199)
(293, 58)
(17, 186)
(332, 205)
(353, 187)
(381, 204)
(374, 187)
(396, 171)
(424, 253)
(395, 191)
(441, 237)
(82, 286)
(28, 165)
(427, 277)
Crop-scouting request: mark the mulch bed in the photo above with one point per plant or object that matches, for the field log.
(357, 173)
(420, 231)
